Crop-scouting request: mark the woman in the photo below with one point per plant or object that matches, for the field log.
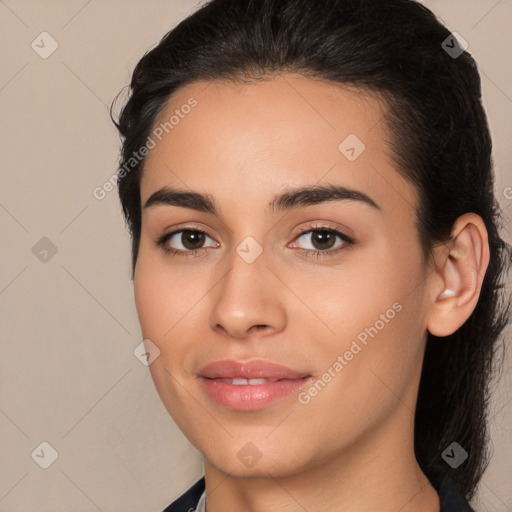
(316, 255)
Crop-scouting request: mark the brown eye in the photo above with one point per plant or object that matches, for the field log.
(323, 240)
(192, 240)
(185, 241)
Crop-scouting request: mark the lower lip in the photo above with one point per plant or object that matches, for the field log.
(249, 397)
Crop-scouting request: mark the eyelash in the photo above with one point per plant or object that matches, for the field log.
(348, 241)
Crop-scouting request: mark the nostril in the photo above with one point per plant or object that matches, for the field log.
(260, 327)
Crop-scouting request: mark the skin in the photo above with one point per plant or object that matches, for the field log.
(351, 447)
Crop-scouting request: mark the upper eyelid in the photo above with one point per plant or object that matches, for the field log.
(346, 239)
(313, 225)
(301, 232)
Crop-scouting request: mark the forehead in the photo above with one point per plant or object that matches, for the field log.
(253, 138)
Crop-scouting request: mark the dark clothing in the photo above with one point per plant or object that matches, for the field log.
(450, 497)
(187, 502)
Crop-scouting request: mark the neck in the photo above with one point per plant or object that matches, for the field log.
(378, 472)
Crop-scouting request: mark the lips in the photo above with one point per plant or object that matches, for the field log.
(259, 369)
(250, 385)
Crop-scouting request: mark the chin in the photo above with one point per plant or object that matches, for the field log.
(248, 461)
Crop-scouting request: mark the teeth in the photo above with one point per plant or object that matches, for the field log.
(239, 382)
(255, 382)
(245, 382)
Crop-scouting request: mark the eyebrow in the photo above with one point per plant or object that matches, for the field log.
(288, 200)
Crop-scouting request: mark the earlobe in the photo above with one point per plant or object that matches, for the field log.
(461, 269)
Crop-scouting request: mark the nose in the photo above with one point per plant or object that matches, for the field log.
(246, 301)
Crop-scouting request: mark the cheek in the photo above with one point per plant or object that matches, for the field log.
(158, 298)
(346, 299)
(369, 312)
(161, 307)
(149, 301)
(169, 309)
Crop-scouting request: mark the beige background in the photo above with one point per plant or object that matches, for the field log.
(68, 375)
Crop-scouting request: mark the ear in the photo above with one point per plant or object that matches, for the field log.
(461, 264)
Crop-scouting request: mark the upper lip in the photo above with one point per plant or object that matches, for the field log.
(256, 369)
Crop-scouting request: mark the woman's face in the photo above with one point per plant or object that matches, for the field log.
(272, 281)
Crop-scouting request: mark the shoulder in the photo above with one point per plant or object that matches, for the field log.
(187, 502)
(451, 498)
